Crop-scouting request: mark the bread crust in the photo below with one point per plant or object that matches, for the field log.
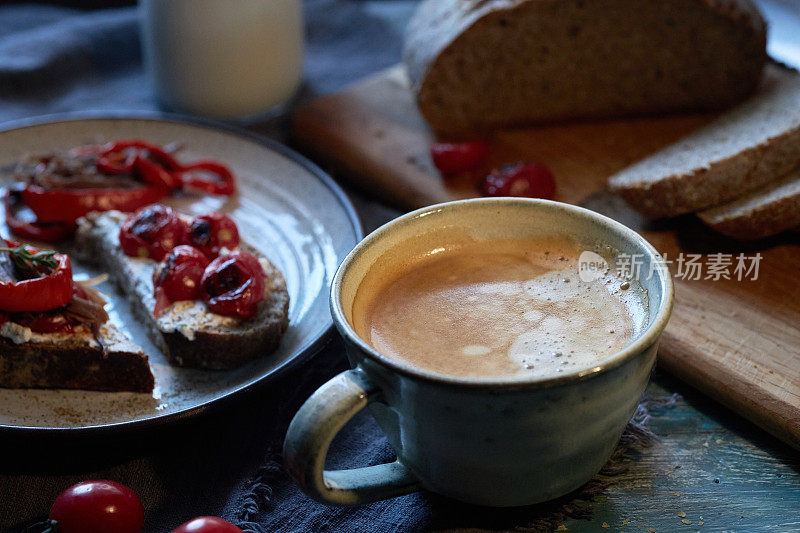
(764, 213)
(440, 34)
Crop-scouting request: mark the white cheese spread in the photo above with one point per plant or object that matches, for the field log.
(16, 333)
(19, 334)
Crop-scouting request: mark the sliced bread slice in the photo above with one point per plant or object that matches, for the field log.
(478, 64)
(741, 151)
(762, 213)
(72, 360)
(188, 333)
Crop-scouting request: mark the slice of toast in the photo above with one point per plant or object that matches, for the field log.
(762, 213)
(741, 151)
(187, 332)
(72, 360)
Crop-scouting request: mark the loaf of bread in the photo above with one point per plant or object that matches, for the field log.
(478, 64)
(762, 213)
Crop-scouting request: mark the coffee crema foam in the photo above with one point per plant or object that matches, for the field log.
(497, 309)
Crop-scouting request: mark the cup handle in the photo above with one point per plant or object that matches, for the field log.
(310, 435)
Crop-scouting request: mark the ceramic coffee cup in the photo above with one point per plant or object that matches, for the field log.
(494, 442)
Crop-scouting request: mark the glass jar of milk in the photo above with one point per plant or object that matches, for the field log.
(228, 59)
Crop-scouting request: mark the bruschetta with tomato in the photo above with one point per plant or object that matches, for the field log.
(55, 332)
(208, 300)
(51, 191)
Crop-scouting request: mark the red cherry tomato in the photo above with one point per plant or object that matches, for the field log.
(152, 231)
(520, 179)
(98, 507)
(178, 276)
(207, 524)
(233, 284)
(213, 231)
(451, 158)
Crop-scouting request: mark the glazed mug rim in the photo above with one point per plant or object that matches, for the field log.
(646, 339)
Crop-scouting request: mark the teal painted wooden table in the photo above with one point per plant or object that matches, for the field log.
(708, 470)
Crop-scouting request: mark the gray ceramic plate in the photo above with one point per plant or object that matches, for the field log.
(286, 207)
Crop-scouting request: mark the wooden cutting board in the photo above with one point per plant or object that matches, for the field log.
(738, 341)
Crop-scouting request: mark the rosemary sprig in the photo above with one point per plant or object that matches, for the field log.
(25, 260)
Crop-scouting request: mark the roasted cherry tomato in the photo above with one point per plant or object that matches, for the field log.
(98, 507)
(233, 284)
(207, 524)
(178, 276)
(209, 233)
(451, 158)
(48, 282)
(152, 231)
(520, 179)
